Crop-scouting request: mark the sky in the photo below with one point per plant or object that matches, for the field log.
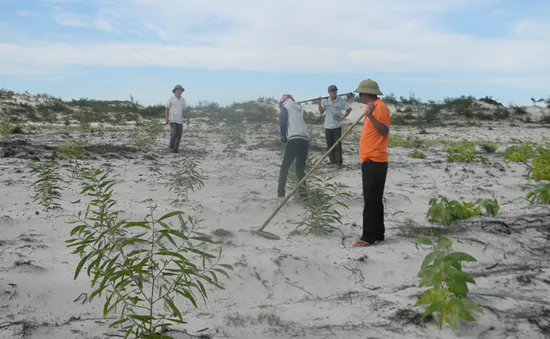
(236, 50)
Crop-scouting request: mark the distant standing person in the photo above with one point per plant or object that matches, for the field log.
(373, 150)
(295, 134)
(333, 107)
(174, 113)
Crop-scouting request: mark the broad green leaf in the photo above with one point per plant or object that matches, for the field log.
(425, 298)
(436, 306)
(466, 315)
(470, 305)
(428, 259)
(459, 256)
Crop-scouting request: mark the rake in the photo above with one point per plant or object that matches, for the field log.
(260, 231)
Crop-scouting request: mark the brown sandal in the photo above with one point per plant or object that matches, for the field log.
(361, 243)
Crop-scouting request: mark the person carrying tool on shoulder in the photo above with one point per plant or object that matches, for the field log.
(332, 108)
(373, 150)
(294, 132)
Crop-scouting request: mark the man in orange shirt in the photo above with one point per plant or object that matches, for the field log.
(373, 150)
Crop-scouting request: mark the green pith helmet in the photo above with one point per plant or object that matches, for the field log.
(180, 87)
(368, 87)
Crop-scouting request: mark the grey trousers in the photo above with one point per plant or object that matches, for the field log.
(176, 131)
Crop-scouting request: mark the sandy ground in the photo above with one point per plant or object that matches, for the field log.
(300, 286)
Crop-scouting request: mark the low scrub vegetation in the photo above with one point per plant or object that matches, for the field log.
(446, 211)
(540, 194)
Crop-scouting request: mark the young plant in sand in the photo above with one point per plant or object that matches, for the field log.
(447, 211)
(540, 167)
(324, 198)
(442, 271)
(234, 134)
(188, 176)
(142, 267)
(464, 151)
(145, 136)
(540, 195)
(72, 150)
(47, 186)
(416, 154)
(520, 151)
(5, 124)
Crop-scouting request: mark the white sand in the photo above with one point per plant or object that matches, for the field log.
(299, 286)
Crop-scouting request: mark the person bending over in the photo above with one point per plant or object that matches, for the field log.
(294, 132)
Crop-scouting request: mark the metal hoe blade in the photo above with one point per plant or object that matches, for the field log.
(267, 235)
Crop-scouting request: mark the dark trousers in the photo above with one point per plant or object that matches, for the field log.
(332, 135)
(295, 149)
(374, 180)
(176, 131)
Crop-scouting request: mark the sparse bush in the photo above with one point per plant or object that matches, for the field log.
(416, 154)
(141, 273)
(188, 177)
(490, 100)
(442, 271)
(411, 100)
(540, 194)
(72, 150)
(489, 147)
(431, 115)
(446, 212)
(47, 187)
(397, 140)
(518, 110)
(501, 113)
(464, 151)
(520, 151)
(390, 99)
(540, 167)
(234, 135)
(145, 136)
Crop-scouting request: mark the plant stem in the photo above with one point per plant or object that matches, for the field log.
(151, 258)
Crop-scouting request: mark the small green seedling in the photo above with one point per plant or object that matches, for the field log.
(442, 271)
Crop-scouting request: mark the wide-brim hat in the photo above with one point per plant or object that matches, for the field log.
(180, 87)
(368, 87)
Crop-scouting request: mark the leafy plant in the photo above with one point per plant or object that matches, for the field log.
(188, 177)
(416, 154)
(47, 187)
(520, 151)
(442, 271)
(540, 194)
(322, 215)
(447, 211)
(145, 136)
(234, 134)
(464, 151)
(540, 167)
(141, 267)
(72, 150)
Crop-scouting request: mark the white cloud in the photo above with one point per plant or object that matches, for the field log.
(395, 36)
(82, 21)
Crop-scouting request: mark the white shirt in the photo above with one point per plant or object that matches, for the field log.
(175, 109)
(333, 109)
